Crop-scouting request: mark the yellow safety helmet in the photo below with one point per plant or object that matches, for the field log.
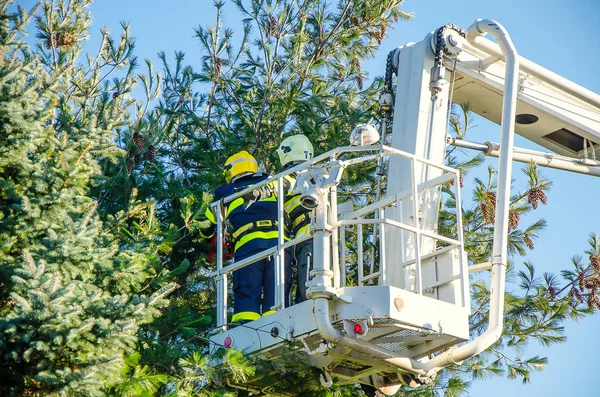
(240, 164)
(295, 149)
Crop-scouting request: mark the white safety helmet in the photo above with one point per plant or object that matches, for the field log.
(364, 135)
(295, 149)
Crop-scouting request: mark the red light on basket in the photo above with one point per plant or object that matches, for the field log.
(228, 342)
(359, 329)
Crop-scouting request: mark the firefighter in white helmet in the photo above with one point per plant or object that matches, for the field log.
(292, 151)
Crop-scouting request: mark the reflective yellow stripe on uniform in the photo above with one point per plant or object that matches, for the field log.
(243, 229)
(292, 204)
(245, 316)
(239, 201)
(233, 205)
(304, 230)
(298, 220)
(254, 235)
(210, 216)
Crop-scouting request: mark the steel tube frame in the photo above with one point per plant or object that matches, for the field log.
(280, 255)
(499, 250)
(531, 68)
(550, 160)
(500, 245)
(221, 278)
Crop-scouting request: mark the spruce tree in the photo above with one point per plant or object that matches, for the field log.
(70, 310)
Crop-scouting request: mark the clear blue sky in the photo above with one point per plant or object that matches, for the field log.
(561, 36)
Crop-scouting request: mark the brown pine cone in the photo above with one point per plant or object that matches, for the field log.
(551, 293)
(271, 29)
(532, 198)
(581, 279)
(577, 294)
(597, 303)
(461, 180)
(138, 139)
(542, 196)
(513, 220)
(487, 213)
(218, 67)
(491, 196)
(359, 82)
(137, 158)
(65, 39)
(151, 153)
(51, 41)
(528, 242)
(380, 34)
(595, 262)
(129, 165)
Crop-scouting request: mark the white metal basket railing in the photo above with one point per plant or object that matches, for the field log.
(372, 216)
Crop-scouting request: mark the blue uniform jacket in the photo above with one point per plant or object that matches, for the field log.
(253, 228)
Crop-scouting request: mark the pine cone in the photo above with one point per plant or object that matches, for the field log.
(271, 29)
(66, 40)
(486, 213)
(528, 242)
(129, 165)
(137, 158)
(572, 296)
(359, 82)
(380, 34)
(542, 196)
(551, 293)
(595, 262)
(51, 41)
(356, 64)
(491, 196)
(151, 153)
(138, 139)
(532, 198)
(218, 62)
(577, 294)
(592, 298)
(461, 180)
(581, 279)
(513, 220)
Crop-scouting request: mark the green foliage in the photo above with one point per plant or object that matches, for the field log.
(105, 288)
(71, 277)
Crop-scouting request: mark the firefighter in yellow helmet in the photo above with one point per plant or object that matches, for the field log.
(254, 228)
(292, 151)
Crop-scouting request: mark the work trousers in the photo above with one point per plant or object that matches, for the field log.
(254, 285)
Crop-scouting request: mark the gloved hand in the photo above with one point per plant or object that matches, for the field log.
(260, 193)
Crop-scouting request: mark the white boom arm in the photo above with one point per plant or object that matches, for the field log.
(453, 65)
